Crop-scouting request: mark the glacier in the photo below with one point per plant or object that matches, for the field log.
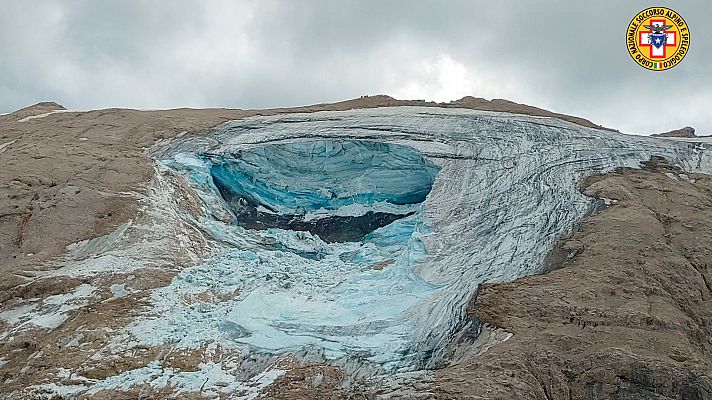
(356, 237)
(474, 197)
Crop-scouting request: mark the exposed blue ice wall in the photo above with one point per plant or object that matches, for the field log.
(338, 190)
(301, 177)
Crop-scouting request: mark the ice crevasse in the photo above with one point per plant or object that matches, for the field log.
(361, 236)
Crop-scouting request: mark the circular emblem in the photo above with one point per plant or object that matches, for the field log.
(658, 38)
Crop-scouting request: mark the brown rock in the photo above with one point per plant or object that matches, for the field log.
(686, 132)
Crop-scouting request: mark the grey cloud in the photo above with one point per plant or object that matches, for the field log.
(568, 56)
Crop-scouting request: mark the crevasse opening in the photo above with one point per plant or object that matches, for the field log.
(337, 190)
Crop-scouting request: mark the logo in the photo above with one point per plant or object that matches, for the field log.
(658, 38)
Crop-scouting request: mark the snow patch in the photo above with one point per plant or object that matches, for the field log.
(4, 146)
(48, 313)
(211, 379)
(31, 117)
(118, 290)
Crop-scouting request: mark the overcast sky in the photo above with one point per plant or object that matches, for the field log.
(563, 55)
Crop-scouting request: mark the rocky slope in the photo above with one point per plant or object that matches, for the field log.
(686, 132)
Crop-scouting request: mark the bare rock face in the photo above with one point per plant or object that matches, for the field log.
(502, 105)
(628, 317)
(686, 132)
(35, 110)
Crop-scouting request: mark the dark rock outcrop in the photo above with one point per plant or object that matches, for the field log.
(502, 105)
(686, 132)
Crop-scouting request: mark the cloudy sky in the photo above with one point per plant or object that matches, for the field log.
(563, 55)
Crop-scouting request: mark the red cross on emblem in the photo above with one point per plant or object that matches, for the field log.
(646, 39)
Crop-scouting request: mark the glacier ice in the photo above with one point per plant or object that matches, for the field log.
(289, 177)
(277, 185)
(478, 197)
(442, 200)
